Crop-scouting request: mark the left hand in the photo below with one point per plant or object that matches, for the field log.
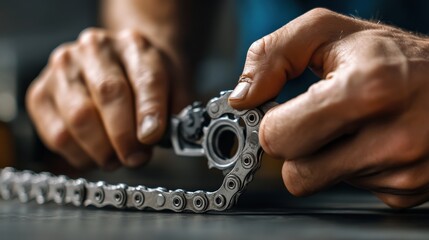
(365, 123)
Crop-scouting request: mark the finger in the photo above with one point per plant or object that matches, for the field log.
(293, 123)
(330, 108)
(405, 180)
(51, 127)
(77, 110)
(285, 53)
(149, 81)
(113, 97)
(362, 154)
(402, 201)
(307, 175)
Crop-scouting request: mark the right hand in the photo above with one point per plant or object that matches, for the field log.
(364, 123)
(102, 99)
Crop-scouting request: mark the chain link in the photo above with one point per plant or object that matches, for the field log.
(45, 187)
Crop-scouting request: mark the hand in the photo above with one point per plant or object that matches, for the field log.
(102, 99)
(365, 122)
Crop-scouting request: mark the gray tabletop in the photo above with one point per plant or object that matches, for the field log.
(337, 214)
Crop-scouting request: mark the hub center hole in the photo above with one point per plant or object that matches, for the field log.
(227, 144)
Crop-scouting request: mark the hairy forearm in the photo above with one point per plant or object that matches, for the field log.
(163, 22)
(178, 28)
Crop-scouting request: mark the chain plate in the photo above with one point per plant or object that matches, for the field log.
(238, 169)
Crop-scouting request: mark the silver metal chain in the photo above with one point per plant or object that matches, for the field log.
(196, 131)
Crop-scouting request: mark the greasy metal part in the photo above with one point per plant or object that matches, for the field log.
(196, 131)
(183, 122)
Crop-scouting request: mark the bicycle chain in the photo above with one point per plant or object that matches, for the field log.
(239, 169)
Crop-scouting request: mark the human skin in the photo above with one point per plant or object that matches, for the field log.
(364, 122)
(104, 99)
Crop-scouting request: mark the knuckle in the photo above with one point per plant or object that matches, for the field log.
(295, 180)
(61, 55)
(406, 182)
(150, 78)
(80, 164)
(274, 135)
(293, 188)
(318, 14)
(399, 202)
(36, 92)
(380, 89)
(266, 53)
(152, 107)
(104, 157)
(80, 115)
(59, 139)
(405, 148)
(110, 89)
(375, 94)
(135, 37)
(266, 132)
(259, 49)
(104, 162)
(92, 37)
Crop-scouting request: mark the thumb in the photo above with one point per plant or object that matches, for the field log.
(285, 53)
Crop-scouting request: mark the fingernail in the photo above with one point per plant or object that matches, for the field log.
(240, 91)
(148, 126)
(136, 159)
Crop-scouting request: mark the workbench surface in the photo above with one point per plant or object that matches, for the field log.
(332, 215)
